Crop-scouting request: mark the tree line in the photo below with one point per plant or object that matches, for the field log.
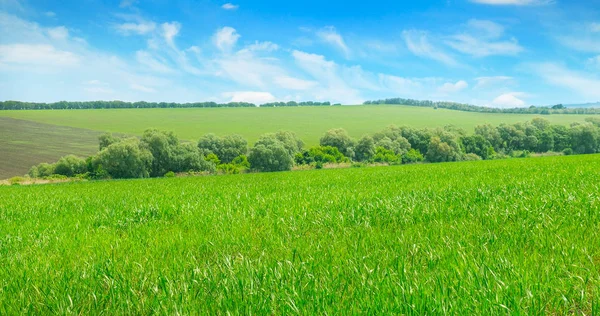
(65, 105)
(159, 153)
(544, 110)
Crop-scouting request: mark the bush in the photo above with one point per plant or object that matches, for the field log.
(170, 174)
(568, 151)
(70, 165)
(412, 156)
(471, 157)
(338, 138)
(16, 180)
(125, 159)
(269, 154)
(383, 154)
(45, 170)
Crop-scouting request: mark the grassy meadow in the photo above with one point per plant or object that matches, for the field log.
(309, 123)
(519, 236)
(35, 136)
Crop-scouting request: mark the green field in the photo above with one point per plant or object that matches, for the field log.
(25, 143)
(310, 123)
(518, 236)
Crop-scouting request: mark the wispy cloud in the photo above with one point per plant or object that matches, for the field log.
(582, 83)
(230, 6)
(331, 36)
(484, 38)
(225, 38)
(450, 88)
(418, 43)
(141, 28)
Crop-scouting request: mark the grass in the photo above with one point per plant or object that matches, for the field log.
(27, 143)
(518, 236)
(310, 123)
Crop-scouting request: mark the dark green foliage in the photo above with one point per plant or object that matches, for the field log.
(412, 156)
(383, 154)
(187, 157)
(226, 148)
(477, 144)
(125, 159)
(70, 166)
(106, 140)
(338, 138)
(270, 155)
(439, 151)
(585, 138)
(162, 146)
(364, 149)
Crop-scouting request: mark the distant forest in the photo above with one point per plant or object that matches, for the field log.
(65, 105)
(545, 110)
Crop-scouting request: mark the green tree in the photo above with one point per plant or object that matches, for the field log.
(365, 148)
(270, 156)
(226, 148)
(125, 159)
(412, 156)
(338, 138)
(439, 151)
(106, 140)
(584, 138)
(187, 157)
(161, 144)
(476, 144)
(70, 165)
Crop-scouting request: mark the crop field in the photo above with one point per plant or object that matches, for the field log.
(519, 236)
(26, 143)
(309, 123)
(31, 137)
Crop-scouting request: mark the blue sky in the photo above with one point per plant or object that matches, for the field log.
(501, 53)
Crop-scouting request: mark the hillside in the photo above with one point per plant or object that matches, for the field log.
(482, 238)
(37, 134)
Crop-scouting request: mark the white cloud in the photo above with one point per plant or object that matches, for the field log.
(331, 36)
(486, 82)
(262, 46)
(226, 38)
(332, 86)
(448, 88)
(581, 83)
(255, 97)
(509, 100)
(59, 33)
(230, 6)
(483, 38)
(141, 88)
(595, 27)
(170, 30)
(514, 2)
(418, 43)
(50, 14)
(127, 3)
(98, 90)
(294, 83)
(152, 63)
(141, 28)
(37, 55)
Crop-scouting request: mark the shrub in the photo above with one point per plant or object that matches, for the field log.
(16, 180)
(383, 154)
(170, 174)
(412, 156)
(125, 159)
(471, 157)
(269, 154)
(70, 165)
(568, 151)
